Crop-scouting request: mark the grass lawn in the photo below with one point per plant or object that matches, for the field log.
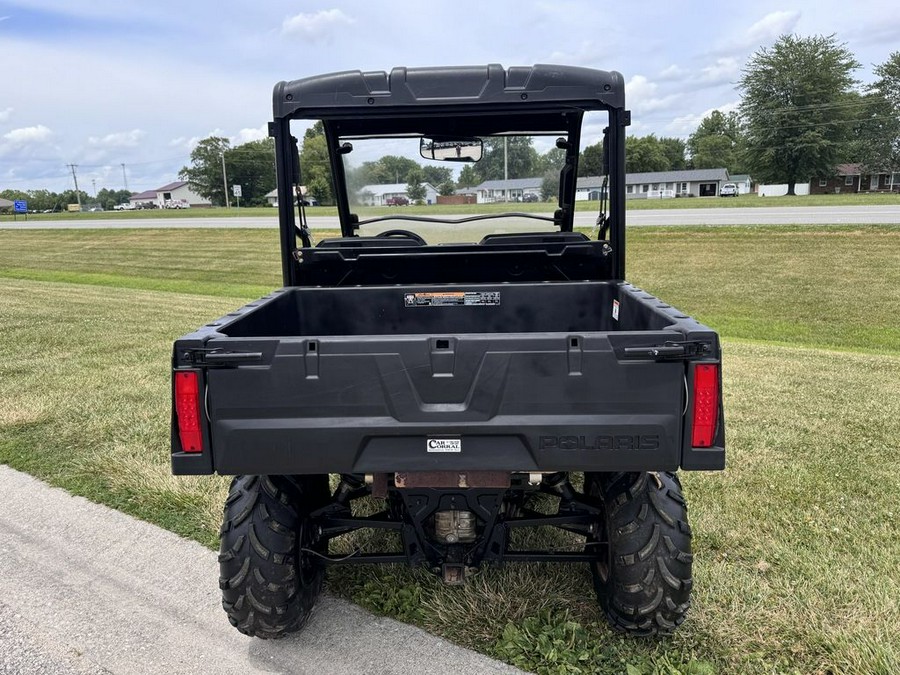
(797, 544)
(861, 199)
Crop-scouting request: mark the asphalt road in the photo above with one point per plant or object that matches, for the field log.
(800, 215)
(86, 589)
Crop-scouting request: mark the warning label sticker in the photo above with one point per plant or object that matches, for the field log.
(451, 298)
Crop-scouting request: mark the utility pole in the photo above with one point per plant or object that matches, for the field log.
(225, 182)
(75, 178)
(125, 178)
(505, 169)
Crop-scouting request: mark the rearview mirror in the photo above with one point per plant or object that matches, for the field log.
(451, 149)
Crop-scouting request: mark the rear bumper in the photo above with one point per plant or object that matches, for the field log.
(505, 443)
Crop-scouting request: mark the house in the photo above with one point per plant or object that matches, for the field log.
(378, 195)
(510, 190)
(744, 183)
(696, 182)
(852, 178)
(178, 192)
(272, 197)
(146, 197)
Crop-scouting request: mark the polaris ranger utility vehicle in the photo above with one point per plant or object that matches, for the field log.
(462, 379)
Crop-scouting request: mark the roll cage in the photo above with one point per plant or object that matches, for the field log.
(450, 101)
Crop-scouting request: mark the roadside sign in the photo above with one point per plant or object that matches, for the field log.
(20, 206)
(236, 189)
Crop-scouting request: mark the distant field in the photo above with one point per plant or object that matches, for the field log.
(592, 206)
(797, 543)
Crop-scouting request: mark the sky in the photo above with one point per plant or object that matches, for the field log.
(102, 83)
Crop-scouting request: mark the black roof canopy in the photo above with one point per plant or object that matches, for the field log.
(541, 92)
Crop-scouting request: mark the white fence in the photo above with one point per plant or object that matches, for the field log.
(781, 190)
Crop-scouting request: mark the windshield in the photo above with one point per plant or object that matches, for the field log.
(512, 188)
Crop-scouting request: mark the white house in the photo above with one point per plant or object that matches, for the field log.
(511, 190)
(177, 192)
(743, 182)
(692, 182)
(272, 197)
(378, 195)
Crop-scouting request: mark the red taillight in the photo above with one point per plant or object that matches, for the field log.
(706, 405)
(187, 409)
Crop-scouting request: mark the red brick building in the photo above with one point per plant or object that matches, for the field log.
(851, 178)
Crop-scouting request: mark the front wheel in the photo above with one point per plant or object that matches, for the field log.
(270, 578)
(642, 575)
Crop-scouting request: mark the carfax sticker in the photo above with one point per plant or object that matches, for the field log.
(616, 310)
(452, 299)
(444, 445)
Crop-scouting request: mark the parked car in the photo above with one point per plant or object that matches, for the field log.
(127, 206)
(397, 201)
(530, 197)
(312, 201)
(729, 190)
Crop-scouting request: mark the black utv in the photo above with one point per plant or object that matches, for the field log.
(459, 373)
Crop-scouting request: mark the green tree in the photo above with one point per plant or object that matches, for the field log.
(315, 168)
(205, 172)
(552, 160)
(252, 166)
(522, 159)
(446, 188)
(674, 150)
(644, 154)
(717, 142)
(877, 143)
(591, 161)
(389, 169)
(550, 186)
(41, 200)
(468, 176)
(414, 188)
(437, 174)
(109, 198)
(794, 107)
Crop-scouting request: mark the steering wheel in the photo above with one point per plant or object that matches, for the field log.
(404, 233)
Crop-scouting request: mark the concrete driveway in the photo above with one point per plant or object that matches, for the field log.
(86, 589)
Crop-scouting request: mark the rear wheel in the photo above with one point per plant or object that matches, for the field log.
(642, 575)
(269, 578)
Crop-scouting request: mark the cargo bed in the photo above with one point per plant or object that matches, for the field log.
(358, 379)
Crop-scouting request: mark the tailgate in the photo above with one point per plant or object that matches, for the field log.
(511, 402)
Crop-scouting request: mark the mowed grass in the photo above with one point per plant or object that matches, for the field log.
(835, 287)
(797, 544)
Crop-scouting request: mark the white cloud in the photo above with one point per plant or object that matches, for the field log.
(673, 72)
(316, 27)
(587, 53)
(189, 144)
(687, 124)
(247, 135)
(723, 70)
(641, 94)
(119, 139)
(771, 26)
(25, 135)
(6, 114)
